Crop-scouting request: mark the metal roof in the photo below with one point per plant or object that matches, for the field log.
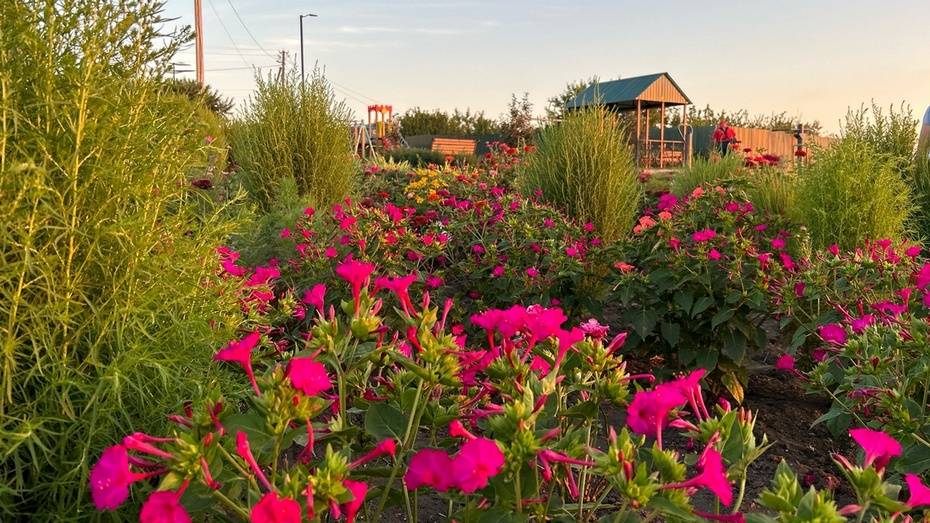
(624, 93)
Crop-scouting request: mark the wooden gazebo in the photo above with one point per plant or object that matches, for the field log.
(643, 94)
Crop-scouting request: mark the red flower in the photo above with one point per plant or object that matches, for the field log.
(800, 153)
(357, 274)
(110, 478)
(308, 376)
(920, 494)
(879, 447)
(713, 477)
(358, 489)
(316, 296)
(241, 352)
(429, 467)
(164, 507)
(272, 509)
(478, 460)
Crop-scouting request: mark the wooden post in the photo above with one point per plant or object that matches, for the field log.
(198, 39)
(662, 135)
(639, 140)
(687, 136)
(648, 150)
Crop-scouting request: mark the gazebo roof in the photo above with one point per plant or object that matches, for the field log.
(649, 90)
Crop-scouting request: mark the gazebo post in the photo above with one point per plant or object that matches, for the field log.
(661, 135)
(638, 135)
(686, 138)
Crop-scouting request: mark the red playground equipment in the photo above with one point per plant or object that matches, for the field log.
(380, 133)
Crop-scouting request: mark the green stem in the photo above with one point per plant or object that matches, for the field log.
(584, 475)
(405, 447)
(245, 473)
(230, 504)
(516, 491)
(597, 505)
(739, 497)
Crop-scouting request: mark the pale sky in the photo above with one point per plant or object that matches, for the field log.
(811, 58)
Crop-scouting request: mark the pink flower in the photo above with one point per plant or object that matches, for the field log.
(667, 201)
(859, 325)
(778, 244)
(477, 249)
(674, 243)
(923, 277)
(713, 477)
(571, 252)
(647, 414)
(308, 376)
(429, 467)
(358, 489)
(532, 272)
(164, 507)
(262, 275)
(714, 254)
(594, 329)
(703, 235)
(879, 447)
(331, 252)
(785, 363)
(834, 249)
(799, 288)
(433, 282)
(833, 333)
(477, 461)
(920, 494)
(245, 452)
(387, 446)
(357, 274)
(110, 478)
(241, 352)
(271, 509)
(567, 340)
(400, 286)
(913, 251)
(548, 223)
(316, 296)
(498, 271)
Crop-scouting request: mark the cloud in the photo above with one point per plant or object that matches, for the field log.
(353, 29)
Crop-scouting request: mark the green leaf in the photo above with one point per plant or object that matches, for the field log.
(734, 346)
(384, 421)
(701, 305)
(733, 386)
(643, 321)
(721, 317)
(684, 300)
(671, 332)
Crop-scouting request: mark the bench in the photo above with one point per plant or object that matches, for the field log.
(453, 146)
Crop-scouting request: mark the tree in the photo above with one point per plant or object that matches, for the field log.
(517, 123)
(555, 108)
(207, 95)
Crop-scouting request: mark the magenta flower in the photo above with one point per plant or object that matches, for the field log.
(647, 414)
(713, 477)
(498, 271)
(703, 235)
(110, 478)
(429, 467)
(532, 272)
(308, 376)
(542, 322)
(922, 278)
(263, 275)
(358, 489)
(920, 494)
(859, 325)
(245, 452)
(785, 363)
(594, 329)
(316, 296)
(400, 286)
(477, 461)
(799, 289)
(478, 249)
(833, 333)
(778, 243)
(357, 274)
(879, 447)
(567, 340)
(387, 446)
(164, 506)
(241, 352)
(714, 254)
(272, 509)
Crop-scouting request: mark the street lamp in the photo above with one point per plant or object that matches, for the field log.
(301, 17)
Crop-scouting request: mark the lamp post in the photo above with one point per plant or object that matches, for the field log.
(301, 18)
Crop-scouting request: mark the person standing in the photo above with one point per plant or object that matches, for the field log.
(923, 140)
(724, 135)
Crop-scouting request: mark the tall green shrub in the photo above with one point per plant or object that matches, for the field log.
(891, 133)
(851, 194)
(585, 166)
(703, 171)
(105, 267)
(296, 130)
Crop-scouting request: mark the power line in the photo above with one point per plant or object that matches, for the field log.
(236, 11)
(225, 30)
(352, 90)
(253, 66)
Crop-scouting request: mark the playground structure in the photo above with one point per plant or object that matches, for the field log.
(380, 133)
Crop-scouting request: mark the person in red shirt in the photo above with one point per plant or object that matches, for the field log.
(724, 135)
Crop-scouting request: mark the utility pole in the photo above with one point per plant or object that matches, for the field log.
(281, 61)
(301, 19)
(198, 38)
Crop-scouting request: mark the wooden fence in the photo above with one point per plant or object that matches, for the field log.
(773, 142)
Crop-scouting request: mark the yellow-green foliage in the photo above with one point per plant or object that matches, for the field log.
(850, 194)
(772, 191)
(106, 295)
(294, 130)
(585, 166)
(707, 171)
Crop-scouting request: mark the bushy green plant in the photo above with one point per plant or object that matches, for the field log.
(851, 194)
(417, 121)
(106, 300)
(919, 182)
(706, 171)
(772, 191)
(297, 130)
(202, 94)
(584, 166)
(892, 134)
